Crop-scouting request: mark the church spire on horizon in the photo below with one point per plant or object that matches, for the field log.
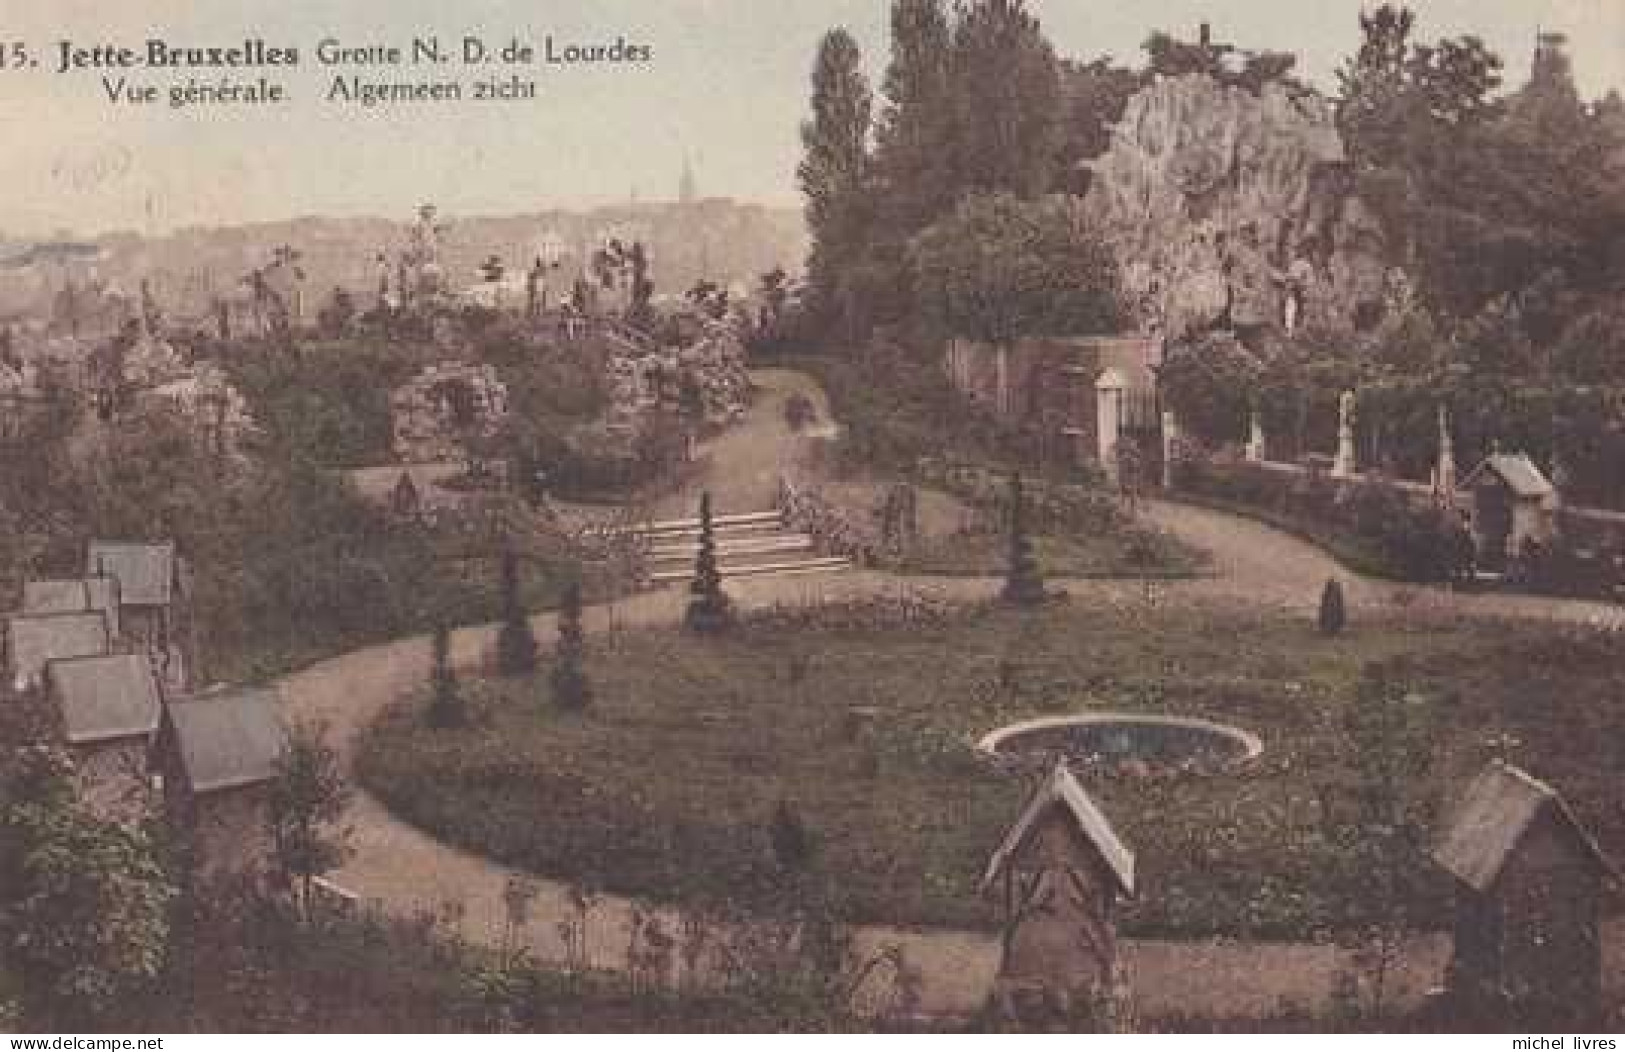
(687, 190)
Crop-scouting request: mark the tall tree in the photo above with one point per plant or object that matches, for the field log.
(913, 139)
(709, 609)
(999, 268)
(1023, 582)
(446, 708)
(834, 173)
(84, 903)
(306, 803)
(1006, 100)
(571, 688)
(1093, 96)
(516, 643)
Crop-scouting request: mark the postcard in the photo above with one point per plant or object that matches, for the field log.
(881, 516)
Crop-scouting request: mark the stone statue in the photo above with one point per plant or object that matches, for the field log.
(1255, 439)
(1344, 466)
(1444, 473)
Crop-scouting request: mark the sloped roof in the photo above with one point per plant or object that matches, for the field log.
(1491, 819)
(229, 739)
(73, 597)
(34, 639)
(1518, 472)
(145, 571)
(1060, 789)
(104, 698)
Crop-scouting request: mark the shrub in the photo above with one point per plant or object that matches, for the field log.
(1333, 615)
(1024, 584)
(446, 708)
(571, 688)
(799, 412)
(709, 610)
(516, 643)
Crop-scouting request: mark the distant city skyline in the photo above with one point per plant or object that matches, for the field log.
(725, 91)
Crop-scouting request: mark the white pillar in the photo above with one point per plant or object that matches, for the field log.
(1255, 439)
(1170, 442)
(1002, 380)
(1109, 419)
(1444, 473)
(1345, 466)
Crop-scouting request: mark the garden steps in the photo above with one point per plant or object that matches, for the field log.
(822, 564)
(751, 544)
(755, 545)
(746, 521)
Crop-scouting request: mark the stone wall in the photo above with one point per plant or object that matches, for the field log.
(445, 407)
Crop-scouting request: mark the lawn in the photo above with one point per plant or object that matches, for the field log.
(1124, 552)
(864, 719)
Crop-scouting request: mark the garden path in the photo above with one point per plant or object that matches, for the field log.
(405, 872)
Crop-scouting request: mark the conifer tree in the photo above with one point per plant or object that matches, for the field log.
(793, 845)
(446, 707)
(1024, 584)
(571, 688)
(516, 643)
(709, 609)
(1006, 88)
(1333, 614)
(834, 172)
(913, 184)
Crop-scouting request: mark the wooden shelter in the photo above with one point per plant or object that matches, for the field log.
(99, 594)
(1060, 870)
(219, 753)
(1513, 504)
(108, 710)
(1529, 889)
(34, 640)
(151, 587)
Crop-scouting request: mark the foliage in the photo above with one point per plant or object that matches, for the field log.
(516, 643)
(794, 847)
(306, 802)
(905, 809)
(912, 184)
(1484, 193)
(799, 412)
(1333, 615)
(287, 561)
(1006, 100)
(1093, 97)
(447, 707)
(330, 402)
(1372, 527)
(1382, 836)
(1209, 384)
(571, 688)
(1023, 582)
(834, 173)
(895, 409)
(709, 608)
(1168, 56)
(999, 268)
(84, 902)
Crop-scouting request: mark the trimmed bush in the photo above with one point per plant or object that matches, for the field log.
(1333, 614)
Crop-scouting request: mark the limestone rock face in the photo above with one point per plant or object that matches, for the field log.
(445, 407)
(207, 400)
(1229, 209)
(642, 378)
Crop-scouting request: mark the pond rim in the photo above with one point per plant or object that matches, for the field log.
(991, 742)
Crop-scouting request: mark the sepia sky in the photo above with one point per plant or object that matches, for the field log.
(727, 85)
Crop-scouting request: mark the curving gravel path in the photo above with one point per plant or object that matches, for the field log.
(405, 872)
